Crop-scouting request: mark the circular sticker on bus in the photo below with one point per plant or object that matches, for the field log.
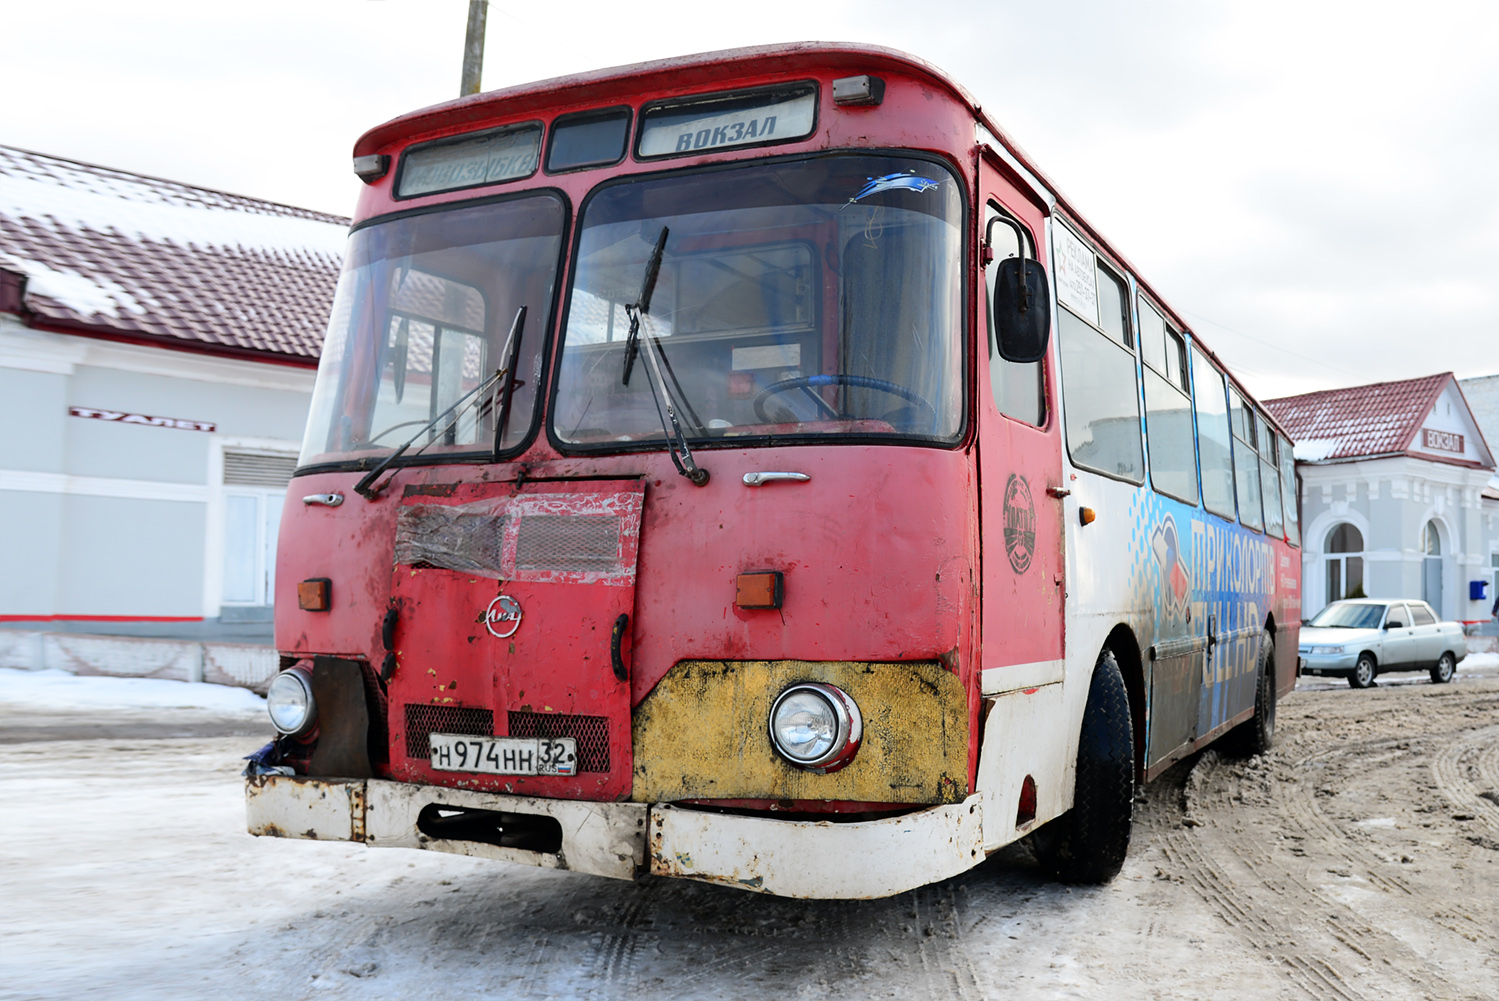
(1020, 523)
(502, 617)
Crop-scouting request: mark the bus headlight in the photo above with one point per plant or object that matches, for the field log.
(289, 702)
(816, 726)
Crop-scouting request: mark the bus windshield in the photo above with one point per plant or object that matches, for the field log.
(421, 318)
(809, 297)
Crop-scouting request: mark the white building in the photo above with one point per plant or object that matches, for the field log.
(1396, 496)
(158, 344)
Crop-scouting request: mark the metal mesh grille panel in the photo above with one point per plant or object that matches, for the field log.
(421, 721)
(591, 733)
(567, 542)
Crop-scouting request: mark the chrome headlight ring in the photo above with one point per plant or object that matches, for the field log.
(815, 726)
(289, 702)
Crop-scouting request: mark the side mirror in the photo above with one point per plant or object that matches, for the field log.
(1021, 310)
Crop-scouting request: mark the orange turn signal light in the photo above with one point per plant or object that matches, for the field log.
(1086, 515)
(313, 595)
(761, 589)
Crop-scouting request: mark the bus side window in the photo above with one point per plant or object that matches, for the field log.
(1168, 409)
(1246, 461)
(1099, 386)
(1019, 390)
(1288, 489)
(1213, 436)
(1270, 480)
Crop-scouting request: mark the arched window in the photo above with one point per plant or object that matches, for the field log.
(1431, 567)
(1345, 562)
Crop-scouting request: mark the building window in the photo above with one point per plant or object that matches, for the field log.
(1431, 567)
(254, 491)
(1345, 563)
(1494, 589)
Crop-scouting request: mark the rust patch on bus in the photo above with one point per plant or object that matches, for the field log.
(702, 734)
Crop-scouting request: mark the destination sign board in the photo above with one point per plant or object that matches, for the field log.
(487, 158)
(724, 122)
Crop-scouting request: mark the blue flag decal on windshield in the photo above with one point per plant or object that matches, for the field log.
(892, 182)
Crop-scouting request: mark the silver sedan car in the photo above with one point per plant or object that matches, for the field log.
(1362, 638)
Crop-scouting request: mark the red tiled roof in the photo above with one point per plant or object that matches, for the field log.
(1381, 419)
(120, 254)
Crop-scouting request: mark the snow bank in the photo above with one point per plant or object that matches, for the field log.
(60, 690)
(1479, 661)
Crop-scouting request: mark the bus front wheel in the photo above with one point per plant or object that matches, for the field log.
(1087, 844)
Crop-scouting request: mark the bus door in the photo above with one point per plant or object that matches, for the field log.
(1020, 476)
(1180, 657)
(511, 616)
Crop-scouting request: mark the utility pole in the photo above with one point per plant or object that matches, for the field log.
(473, 47)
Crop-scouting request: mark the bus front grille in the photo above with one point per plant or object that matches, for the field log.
(424, 720)
(591, 733)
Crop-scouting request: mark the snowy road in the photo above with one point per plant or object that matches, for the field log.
(127, 874)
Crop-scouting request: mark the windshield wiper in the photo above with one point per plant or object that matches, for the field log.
(676, 440)
(369, 489)
(642, 304)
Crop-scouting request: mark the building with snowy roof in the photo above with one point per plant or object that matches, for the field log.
(158, 344)
(1395, 495)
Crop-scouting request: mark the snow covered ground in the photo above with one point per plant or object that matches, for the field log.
(1357, 860)
(60, 690)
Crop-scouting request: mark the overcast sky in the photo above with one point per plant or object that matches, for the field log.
(1313, 185)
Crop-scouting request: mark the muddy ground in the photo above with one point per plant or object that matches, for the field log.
(1359, 860)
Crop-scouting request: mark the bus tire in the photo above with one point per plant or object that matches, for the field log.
(1256, 735)
(1088, 843)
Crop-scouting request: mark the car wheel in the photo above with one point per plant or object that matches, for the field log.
(1088, 843)
(1363, 672)
(1256, 735)
(1445, 669)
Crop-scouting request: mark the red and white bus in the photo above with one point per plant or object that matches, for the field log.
(750, 468)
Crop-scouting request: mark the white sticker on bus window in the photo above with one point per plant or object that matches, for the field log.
(1077, 287)
(708, 125)
(768, 356)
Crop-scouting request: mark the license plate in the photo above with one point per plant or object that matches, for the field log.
(454, 752)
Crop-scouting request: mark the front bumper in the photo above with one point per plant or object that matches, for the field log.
(821, 859)
(1328, 663)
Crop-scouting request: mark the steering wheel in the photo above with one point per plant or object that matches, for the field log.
(806, 383)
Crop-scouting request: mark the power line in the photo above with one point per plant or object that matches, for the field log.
(1268, 344)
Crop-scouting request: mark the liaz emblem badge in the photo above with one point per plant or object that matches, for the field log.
(1020, 523)
(502, 617)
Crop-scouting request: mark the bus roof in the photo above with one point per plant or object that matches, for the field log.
(681, 75)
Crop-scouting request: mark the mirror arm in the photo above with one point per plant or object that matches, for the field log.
(1025, 291)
